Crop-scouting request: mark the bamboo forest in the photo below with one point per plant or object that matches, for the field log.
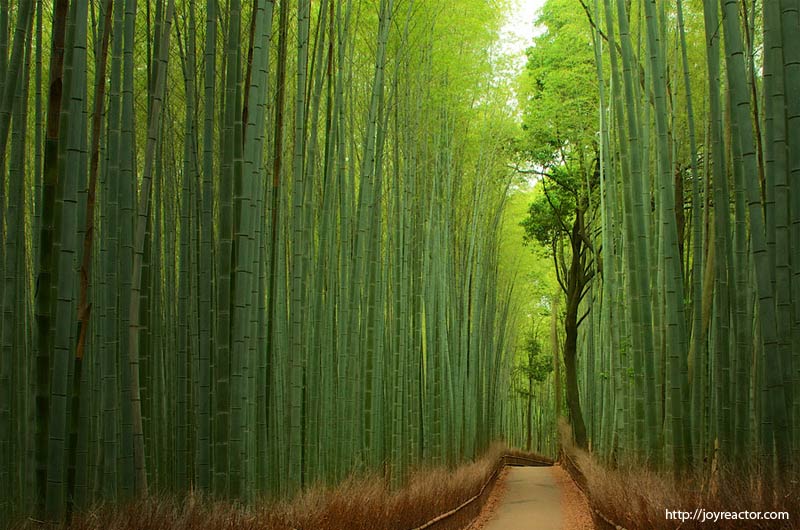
(365, 264)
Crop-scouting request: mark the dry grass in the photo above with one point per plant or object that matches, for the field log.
(363, 503)
(636, 498)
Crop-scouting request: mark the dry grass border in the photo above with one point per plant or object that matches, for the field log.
(636, 498)
(365, 502)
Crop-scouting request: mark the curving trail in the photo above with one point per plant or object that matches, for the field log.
(536, 498)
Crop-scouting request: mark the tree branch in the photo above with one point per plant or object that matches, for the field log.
(534, 171)
(586, 314)
(555, 210)
(557, 267)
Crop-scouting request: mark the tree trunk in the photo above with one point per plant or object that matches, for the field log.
(570, 354)
(556, 363)
(576, 282)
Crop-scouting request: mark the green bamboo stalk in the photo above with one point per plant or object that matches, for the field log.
(65, 226)
(636, 238)
(675, 321)
(4, 41)
(759, 252)
(21, 29)
(141, 224)
(276, 318)
(45, 275)
(776, 177)
(247, 215)
(186, 352)
(84, 307)
(205, 294)
(13, 294)
(298, 353)
(696, 345)
(790, 14)
(223, 461)
(126, 193)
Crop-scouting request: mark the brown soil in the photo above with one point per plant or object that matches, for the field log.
(489, 509)
(574, 506)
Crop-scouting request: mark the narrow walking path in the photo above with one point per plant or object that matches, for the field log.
(532, 500)
(536, 498)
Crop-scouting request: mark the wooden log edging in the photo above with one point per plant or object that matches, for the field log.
(601, 520)
(505, 460)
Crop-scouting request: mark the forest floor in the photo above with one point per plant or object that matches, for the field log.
(542, 498)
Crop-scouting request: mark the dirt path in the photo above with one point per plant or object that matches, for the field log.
(535, 498)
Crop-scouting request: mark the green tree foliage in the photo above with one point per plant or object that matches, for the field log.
(530, 268)
(533, 367)
(548, 214)
(536, 363)
(558, 90)
(559, 145)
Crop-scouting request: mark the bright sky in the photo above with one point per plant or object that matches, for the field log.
(519, 30)
(515, 37)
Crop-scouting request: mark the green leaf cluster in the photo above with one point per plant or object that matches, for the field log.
(558, 89)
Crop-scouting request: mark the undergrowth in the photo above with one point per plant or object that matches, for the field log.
(366, 502)
(637, 498)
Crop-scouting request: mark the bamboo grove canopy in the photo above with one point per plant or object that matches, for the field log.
(247, 246)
